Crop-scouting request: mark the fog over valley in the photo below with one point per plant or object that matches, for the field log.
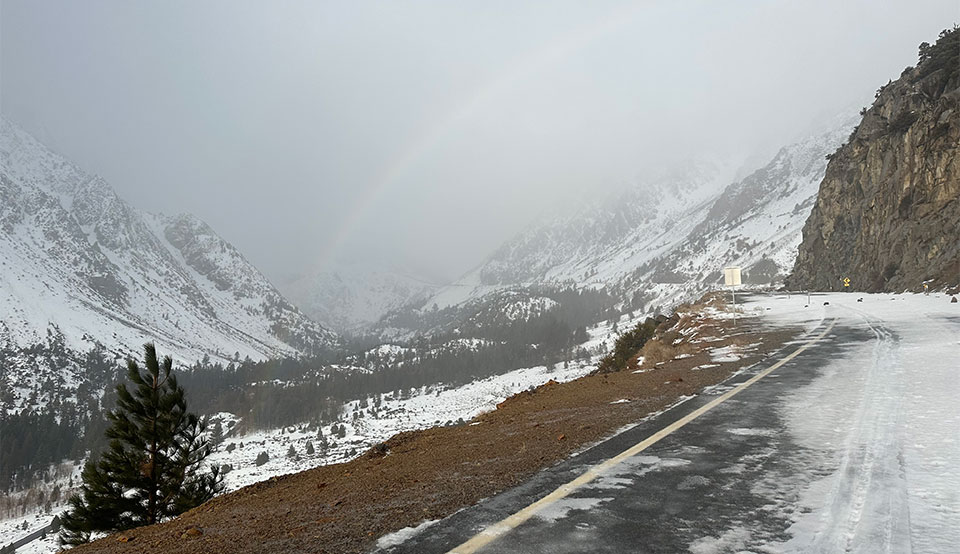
(421, 135)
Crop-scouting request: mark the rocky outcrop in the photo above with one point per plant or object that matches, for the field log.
(887, 215)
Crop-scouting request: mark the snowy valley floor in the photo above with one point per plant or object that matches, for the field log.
(426, 475)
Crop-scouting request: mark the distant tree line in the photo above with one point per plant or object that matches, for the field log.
(475, 342)
(55, 421)
(269, 403)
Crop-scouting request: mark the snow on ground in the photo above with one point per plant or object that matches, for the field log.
(732, 353)
(403, 535)
(732, 540)
(428, 407)
(527, 308)
(884, 422)
(45, 545)
(12, 529)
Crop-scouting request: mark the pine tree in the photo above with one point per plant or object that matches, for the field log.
(216, 436)
(151, 469)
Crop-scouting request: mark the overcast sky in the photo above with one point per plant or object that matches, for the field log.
(426, 133)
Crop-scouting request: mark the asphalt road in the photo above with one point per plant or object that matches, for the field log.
(697, 489)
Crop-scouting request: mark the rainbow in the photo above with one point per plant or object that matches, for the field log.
(430, 136)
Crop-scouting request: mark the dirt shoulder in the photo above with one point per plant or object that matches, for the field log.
(430, 474)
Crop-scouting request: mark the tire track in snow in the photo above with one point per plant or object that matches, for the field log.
(869, 510)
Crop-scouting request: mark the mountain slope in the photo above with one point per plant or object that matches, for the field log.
(887, 215)
(755, 223)
(603, 242)
(351, 297)
(669, 239)
(606, 239)
(80, 262)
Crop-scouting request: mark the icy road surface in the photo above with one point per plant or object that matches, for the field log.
(851, 446)
(886, 417)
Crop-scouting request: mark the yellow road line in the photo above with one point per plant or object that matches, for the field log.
(497, 530)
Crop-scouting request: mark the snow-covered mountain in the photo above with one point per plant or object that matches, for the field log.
(602, 241)
(351, 296)
(80, 262)
(596, 242)
(756, 222)
(670, 237)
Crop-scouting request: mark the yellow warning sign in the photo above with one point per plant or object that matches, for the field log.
(846, 281)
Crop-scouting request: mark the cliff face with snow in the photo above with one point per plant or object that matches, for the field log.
(80, 262)
(887, 215)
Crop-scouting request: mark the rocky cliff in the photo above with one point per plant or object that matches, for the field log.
(887, 215)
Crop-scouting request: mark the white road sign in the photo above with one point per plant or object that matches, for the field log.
(731, 276)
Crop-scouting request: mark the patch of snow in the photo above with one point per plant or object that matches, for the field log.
(399, 537)
(745, 432)
(733, 540)
(562, 508)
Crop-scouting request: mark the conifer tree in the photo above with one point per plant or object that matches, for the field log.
(216, 435)
(151, 469)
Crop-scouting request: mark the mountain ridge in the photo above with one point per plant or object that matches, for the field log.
(666, 242)
(118, 276)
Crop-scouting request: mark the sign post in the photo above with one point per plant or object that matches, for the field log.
(731, 278)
